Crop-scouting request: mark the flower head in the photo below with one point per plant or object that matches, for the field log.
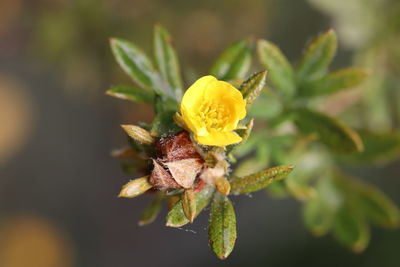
(212, 109)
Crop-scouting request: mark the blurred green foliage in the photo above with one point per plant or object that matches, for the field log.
(295, 130)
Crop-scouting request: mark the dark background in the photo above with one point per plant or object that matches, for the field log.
(58, 183)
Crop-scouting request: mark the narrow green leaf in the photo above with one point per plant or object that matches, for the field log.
(379, 148)
(317, 56)
(135, 63)
(222, 229)
(333, 133)
(167, 60)
(135, 187)
(131, 93)
(334, 82)
(316, 218)
(252, 87)
(351, 229)
(152, 210)
(372, 202)
(176, 217)
(234, 62)
(279, 68)
(378, 207)
(138, 134)
(260, 180)
(189, 204)
(320, 211)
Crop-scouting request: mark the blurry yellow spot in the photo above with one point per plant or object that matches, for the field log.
(16, 114)
(33, 242)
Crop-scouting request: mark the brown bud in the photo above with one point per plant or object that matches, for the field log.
(161, 178)
(177, 146)
(223, 186)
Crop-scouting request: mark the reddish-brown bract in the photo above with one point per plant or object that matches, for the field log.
(176, 150)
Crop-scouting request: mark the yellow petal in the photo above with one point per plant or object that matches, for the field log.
(194, 96)
(219, 139)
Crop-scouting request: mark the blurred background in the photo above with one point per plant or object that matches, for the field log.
(58, 183)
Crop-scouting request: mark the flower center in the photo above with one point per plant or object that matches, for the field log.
(214, 116)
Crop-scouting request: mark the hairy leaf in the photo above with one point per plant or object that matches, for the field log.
(167, 60)
(379, 148)
(279, 69)
(334, 82)
(370, 201)
(319, 212)
(234, 62)
(317, 56)
(222, 229)
(333, 133)
(131, 93)
(260, 180)
(134, 62)
(253, 86)
(351, 229)
(176, 217)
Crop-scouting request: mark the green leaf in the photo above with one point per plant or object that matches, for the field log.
(372, 202)
(222, 229)
(317, 56)
(253, 86)
(379, 148)
(189, 204)
(320, 211)
(138, 134)
(334, 82)
(176, 217)
(378, 207)
(351, 229)
(152, 210)
(131, 93)
(316, 218)
(167, 60)
(333, 133)
(279, 69)
(135, 63)
(135, 187)
(260, 180)
(234, 62)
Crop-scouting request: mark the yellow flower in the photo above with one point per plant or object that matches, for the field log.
(212, 109)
